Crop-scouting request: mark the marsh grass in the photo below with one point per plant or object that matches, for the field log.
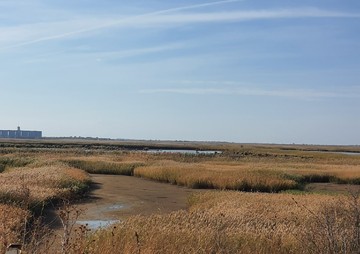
(14, 161)
(270, 173)
(334, 228)
(341, 174)
(43, 184)
(220, 176)
(25, 192)
(247, 168)
(105, 167)
(234, 222)
(217, 221)
(12, 219)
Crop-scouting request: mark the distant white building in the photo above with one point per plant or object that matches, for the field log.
(20, 134)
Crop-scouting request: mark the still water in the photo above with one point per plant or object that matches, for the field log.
(96, 224)
(207, 152)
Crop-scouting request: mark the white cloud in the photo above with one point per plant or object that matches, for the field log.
(245, 91)
(22, 35)
(139, 51)
(109, 55)
(232, 16)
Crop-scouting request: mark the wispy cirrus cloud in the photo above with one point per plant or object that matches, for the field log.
(22, 35)
(232, 16)
(40, 32)
(246, 91)
(101, 56)
(140, 51)
(116, 55)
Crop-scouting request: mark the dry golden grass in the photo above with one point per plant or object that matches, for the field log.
(217, 221)
(40, 184)
(233, 222)
(105, 167)
(249, 168)
(266, 169)
(271, 175)
(12, 221)
(205, 175)
(25, 191)
(336, 173)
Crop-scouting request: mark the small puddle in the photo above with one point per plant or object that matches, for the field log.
(96, 224)
(116, 207)
(103, 222)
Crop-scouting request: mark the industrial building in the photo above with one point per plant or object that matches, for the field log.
(20, 134)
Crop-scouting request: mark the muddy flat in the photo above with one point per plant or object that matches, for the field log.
(115, 197)
(332, 188)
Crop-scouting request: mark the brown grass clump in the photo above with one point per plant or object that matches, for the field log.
(25, 191)
(39, 185)
(12, 221)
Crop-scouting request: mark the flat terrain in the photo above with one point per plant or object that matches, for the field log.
(115, 197)
(332, 188)
(125, 182)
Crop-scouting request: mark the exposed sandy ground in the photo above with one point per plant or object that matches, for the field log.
(116, 197)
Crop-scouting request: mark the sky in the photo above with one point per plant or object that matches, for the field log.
(248, 71)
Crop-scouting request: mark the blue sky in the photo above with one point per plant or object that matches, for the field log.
(241, 71)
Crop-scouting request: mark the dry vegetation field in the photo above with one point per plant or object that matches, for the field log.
(27, 186)
(257, 205)
(235, 222)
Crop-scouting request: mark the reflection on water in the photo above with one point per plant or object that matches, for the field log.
(96, 224)
(208, 152)
(349, 153)
(103, 222)
(116, 207)
(344, 153)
